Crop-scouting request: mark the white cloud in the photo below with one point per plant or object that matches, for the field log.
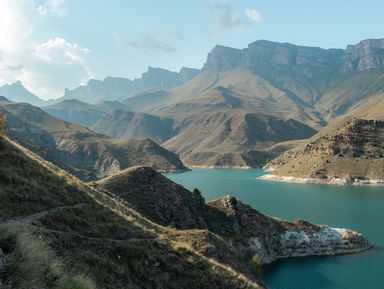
(56, 7)
(45, 68)
(253, 15)
(226, 15)
(53, 66)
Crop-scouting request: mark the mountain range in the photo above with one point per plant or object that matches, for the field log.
(241, 103)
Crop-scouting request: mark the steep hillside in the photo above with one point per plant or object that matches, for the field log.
(125, 125)
(250, 232)
(349, 150)
(233, 138)
(78, 149)
(91, 233)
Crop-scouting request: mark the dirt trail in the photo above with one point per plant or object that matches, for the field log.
(29, 219)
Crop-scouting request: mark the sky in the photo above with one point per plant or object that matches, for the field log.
(50, 45)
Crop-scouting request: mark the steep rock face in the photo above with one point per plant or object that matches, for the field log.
(157, 197)
(283, 59)
(223, 58)
(366, 55)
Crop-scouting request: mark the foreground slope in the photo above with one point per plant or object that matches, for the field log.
(349, 150)
(249, 232)
(96, 235)
(78, 149)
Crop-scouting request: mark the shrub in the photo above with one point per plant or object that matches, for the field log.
(3, 124)
(256, 265)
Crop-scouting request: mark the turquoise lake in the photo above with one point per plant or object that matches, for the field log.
(358, 208)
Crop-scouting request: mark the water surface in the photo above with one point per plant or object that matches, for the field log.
(358, 208)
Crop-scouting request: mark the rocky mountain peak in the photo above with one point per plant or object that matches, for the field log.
(187, 73)
(367, 54)
(223, 58)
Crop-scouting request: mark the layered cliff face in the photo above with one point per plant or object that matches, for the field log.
(366, 55)
(350, 153)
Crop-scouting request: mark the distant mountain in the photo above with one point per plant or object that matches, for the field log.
(269, 80)
(18, 93)
(115, 88)
(81, 113)
(78, 149)
(233, 138)
(125, 125)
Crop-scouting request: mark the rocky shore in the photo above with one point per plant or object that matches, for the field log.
(328, 181)
(325, 241)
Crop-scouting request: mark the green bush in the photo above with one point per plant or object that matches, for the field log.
(256, 265)
(3, 124)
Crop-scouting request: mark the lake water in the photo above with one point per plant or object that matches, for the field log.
(357, 208)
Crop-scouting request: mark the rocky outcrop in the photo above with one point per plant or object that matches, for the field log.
(366, 55)
(223, 58)
(273, 239)
(352, 153)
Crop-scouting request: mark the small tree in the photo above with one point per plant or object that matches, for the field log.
(256, 265)
(196, 191)
(3, 124)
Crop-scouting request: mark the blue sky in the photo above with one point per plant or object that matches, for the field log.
(53, 44)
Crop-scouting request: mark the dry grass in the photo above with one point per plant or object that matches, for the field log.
(30, 263)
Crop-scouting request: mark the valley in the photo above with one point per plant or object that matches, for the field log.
(107, 185)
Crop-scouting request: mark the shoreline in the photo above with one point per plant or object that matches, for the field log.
(333, 181)
(222, 167)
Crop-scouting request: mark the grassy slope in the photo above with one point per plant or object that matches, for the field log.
(233, 138)
(103, 238)
(82, 149)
